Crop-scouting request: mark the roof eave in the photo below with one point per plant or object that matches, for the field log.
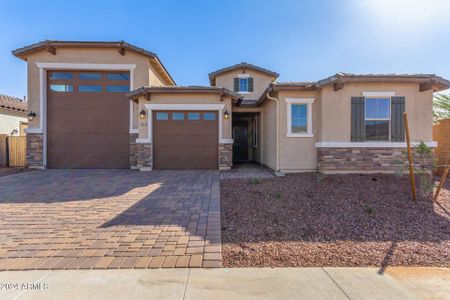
(182, 90)
(212, 76)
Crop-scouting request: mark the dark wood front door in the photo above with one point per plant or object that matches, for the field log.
(88, 119)
(240, 144)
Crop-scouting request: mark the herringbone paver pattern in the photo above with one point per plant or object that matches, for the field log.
(83, 219)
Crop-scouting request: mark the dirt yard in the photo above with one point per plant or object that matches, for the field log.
(338, 220)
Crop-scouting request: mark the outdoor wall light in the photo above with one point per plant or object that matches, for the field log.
(226, 115)
(142, 114)
(31, 115)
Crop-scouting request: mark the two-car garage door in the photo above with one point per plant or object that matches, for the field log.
(88, 119)
(88, 126)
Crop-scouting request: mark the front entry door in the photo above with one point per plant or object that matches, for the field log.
(240, 143)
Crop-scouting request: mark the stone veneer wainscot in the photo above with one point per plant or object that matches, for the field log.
(133, 150)
(225, 156)
(365, 159)
(35, 150)
(144, 156)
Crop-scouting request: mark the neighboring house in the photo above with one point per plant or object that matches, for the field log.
(13, 115)
(114, 105)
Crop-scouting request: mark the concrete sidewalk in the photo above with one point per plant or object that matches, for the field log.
(251, 283)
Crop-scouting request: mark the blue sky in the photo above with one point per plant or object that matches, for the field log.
(301, 40)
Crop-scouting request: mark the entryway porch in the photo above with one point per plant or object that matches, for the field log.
(246, 128)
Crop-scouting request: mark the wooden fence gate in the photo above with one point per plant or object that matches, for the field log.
(441, 134)
(17, 151)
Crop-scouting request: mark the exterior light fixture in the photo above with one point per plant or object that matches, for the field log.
(31, 115)
(226, 114)
(142, 114)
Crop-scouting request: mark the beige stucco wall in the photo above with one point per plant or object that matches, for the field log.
(336, 109)
(260, 81)
(188, 98)
(143, 74)
(298, 153)
(269, 134)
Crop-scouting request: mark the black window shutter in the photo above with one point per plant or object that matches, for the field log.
(358, 122)
(250, 84)
(397, 126)
(236, 84)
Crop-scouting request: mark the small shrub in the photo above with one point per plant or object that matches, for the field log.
(320, 176)
(255, 180)
(278, 195)
(398, 168)
(368, 209)
(426, 164)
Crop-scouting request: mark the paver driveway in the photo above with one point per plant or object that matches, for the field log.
(71, 219)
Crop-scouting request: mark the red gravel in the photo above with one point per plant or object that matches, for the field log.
(342, 220)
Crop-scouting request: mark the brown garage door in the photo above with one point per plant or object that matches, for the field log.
(88, 119)
(185, 140)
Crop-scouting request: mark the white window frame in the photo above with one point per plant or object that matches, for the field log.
(379, 119)
(309, 129)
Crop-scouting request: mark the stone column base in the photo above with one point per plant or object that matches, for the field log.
(225, 156)
(144, 157)
(133, 150)
(35, 150)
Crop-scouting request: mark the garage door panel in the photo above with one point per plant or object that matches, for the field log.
(77, 105)
(87, 129)
(185, 140)
(185, 144)
(80, 141)
(91, 126)
(190, 128)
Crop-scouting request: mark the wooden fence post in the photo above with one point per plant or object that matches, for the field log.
(441, 183)
(410, 158)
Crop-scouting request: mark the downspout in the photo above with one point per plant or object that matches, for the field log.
(277, 101)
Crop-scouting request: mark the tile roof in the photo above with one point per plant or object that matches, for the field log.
(22, 52)
(295, 83)
(13, 104)
(183, 89)
(241, 65)
(350, 76)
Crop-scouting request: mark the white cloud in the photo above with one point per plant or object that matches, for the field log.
(397, 17)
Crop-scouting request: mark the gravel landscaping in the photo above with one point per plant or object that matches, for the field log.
(337, 220)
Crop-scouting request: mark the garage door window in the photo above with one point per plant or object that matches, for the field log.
(90, 88)
(90, 76)
(117, 88)
(162, 116)
(118, 76)
(178, 116)
(193, 116)
(64, 88)
(60, 75)
(209, 116)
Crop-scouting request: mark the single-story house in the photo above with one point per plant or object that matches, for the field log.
(13, 115)
(114, 105)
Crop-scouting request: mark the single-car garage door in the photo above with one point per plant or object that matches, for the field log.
(88, 119)
(184, 140)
